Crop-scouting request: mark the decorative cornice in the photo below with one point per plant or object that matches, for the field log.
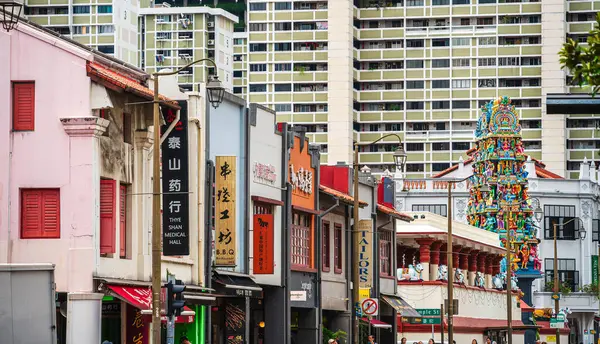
(144, 138)
(84, 126)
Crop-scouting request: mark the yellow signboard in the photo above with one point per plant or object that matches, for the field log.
(551, 339)
(225, 202)
(364, 293)
(364, 250)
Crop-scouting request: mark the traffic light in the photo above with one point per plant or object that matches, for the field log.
(175, 301)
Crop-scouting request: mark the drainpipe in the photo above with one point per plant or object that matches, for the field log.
(286, 218)
(209, 176)
(320, 262)
(9, 241)
(348, 268)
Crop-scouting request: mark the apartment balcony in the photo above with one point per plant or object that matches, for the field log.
(433, 31)
(381, 33)
(576, 302)
(51, 19)
(575, 6)
(581, 27)
(381, 53)
(436, 135)
(381, 95)
(583, 133)
(581, 154)
(381, 74)
(384, 12)
(317, 137)
(520, 29)
(380, 116)
(301, 97)
(370, 136)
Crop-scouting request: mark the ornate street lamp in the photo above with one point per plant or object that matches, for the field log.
(10, 11)
(400, 157)
(215, 91)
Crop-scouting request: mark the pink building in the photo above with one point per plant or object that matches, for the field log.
(75, 179)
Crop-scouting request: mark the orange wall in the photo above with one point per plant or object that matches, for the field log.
(301, 159)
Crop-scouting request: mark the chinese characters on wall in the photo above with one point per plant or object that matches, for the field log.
(263, 244)
(301, 180)
(137, 331)
(225, 204)
(264, 173)
(175, 180)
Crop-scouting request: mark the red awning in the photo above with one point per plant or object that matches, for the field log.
(376, 323)
(141, 298)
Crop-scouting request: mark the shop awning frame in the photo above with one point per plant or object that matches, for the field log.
(402, 307)
(376, 323)
(233, 280)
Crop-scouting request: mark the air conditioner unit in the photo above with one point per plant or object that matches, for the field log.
(211, 24)
(211, 42)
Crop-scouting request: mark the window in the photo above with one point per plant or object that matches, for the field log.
(81, 30)
(461, 41)
(439, 166)
(439, 209)
(283, 26)
(258, 47)
(302, 240)
(440, 146)
(440, 84)
(105, 9)
(106, 29)
(461, 104)
(238, 90)
(282, 6)
(257, 27)
(487, 62)
(415, 167)
(415, 105)
(461, 63)
(123, 221)
(337, 248)
(567, 272)
(107, 49)
(440, 42)
(414, 64)
(414, 147)
(415, 43)
(282, 46)
(415, 84)
(486, 83)
(559, 214)
(40, 213)
(440, 2)
(238, 73)
(23, 105)
(107, 216)
(461, 146)
(385, 253)
(283, 67)
(461, 83)
(283, 107)
(440, 104)
(258, 88)
(258, 6)
(487, 40)
(258, 67)
(283, 87)
(440, 63)
(326, 249)
(81, 9)
(595, 229)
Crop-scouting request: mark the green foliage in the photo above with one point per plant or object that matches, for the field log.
(590, 289)
(564, 287)
(584, 61)
(328, 334)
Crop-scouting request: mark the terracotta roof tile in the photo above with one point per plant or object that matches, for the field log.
(102, 73)
(387, 210)
(342, 196)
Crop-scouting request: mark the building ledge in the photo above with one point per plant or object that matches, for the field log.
(84, 126)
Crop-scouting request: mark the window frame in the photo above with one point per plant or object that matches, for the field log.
(385, 253)
(325, 246)
(42, 231)
(572, 228)
(338, 248)
(15, 84)
(296, 250)
(549, 269)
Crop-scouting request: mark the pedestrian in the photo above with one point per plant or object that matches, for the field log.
(474, 341)
(488, 340)
(431, 341)
(331, 341)
(372, 339)
(184, 340)
(403, 340)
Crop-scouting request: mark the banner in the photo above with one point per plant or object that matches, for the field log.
(263, 244)
(595, 270)
(225, 203)
(364, 249)
(137, 329)
(175, 181)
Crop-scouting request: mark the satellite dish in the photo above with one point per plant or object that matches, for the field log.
(63, 309)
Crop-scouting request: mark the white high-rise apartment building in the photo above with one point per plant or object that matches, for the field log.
(357, 70)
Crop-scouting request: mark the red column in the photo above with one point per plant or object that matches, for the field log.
(464, 258)
(481, 258)
(424, 249)
(473, 260)
(456, 256)
(496, 264)
(444, 254)
(489, 264)
(435, 252)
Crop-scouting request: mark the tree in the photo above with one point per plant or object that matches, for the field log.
(583, 61)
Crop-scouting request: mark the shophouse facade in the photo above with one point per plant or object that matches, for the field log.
(89, 212)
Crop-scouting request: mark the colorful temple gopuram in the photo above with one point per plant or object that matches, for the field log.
(500, 165)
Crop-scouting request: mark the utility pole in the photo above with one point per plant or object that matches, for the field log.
(556, 290)
(355, 289)
(156, 221)
(450, 268)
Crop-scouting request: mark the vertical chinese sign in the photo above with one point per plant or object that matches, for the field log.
(175, 180)
(595, 270)
(263, 244)
(364, 249)
(225, 203)
(137, 331)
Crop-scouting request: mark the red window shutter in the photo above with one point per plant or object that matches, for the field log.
(31, 215)
(51, 213)
(23, 106)
(107, 216)
(122, 222)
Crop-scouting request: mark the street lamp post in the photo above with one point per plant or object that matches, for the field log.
(449, 252)
(10, 13)
(399, 160)
(215, 94)
(582, 234)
